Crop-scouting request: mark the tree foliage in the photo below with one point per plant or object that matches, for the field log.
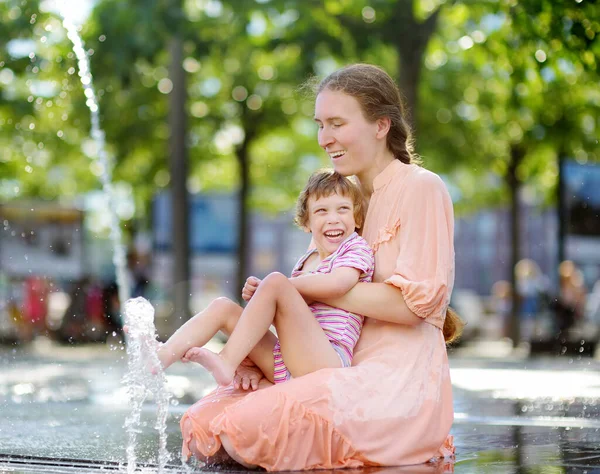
(500, 89)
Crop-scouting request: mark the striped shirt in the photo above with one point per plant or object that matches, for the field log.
(341, 327)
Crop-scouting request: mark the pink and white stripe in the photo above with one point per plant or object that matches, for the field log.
(341, 327)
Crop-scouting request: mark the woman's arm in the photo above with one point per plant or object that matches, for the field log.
(318, 286)
(378, 301)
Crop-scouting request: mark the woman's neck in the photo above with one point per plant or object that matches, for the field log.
(367, 177)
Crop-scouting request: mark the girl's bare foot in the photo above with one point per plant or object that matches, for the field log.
(212, 362)
(162, 358)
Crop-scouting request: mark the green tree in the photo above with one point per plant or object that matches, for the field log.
(511, 92)
(41, 130)
(244, 114)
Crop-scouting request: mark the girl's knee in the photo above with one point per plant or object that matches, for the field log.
(275, 280)
(227, 313)
(223, 304)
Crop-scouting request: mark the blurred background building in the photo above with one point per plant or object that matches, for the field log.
(201, 108)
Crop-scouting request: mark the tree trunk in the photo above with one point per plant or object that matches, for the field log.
(243, 240)
(179, 194)
(562, 211)
(514, 186)
(411, 39)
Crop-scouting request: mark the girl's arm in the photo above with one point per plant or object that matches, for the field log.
(376, 300)
(316, 286)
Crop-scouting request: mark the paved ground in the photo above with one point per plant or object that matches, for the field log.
(62, 410)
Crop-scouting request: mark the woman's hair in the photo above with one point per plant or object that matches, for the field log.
(324, 183)
(379, 97)
(453, 326)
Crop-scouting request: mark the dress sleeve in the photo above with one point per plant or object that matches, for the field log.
(425, 265)
(359, 255)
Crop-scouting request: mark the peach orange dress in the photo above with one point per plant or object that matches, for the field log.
(394, 405)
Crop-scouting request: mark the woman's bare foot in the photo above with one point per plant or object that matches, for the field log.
(212, 362)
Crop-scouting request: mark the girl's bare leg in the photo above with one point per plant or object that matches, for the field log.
(221, 314)
(304, 346)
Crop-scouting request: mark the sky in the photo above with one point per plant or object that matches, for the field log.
(76, 10)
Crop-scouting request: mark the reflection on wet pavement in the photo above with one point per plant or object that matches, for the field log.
(62, 411)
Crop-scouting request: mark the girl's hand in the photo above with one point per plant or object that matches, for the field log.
(250, 287)
(247, 375)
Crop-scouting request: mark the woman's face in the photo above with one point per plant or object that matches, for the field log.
(345, 134)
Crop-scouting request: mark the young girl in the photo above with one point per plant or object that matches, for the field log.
(311, 336)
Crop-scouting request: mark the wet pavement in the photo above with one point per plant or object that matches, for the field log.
(62, 410)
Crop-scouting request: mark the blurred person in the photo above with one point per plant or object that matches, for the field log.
(501, 304)
(394, 405)
(112, 307)
(15, 314)
(593, 303)
(310, 335)
(137, 273)
(75, 325)
(531, 288)
(570, 305)
(35, 304)
(94, 308)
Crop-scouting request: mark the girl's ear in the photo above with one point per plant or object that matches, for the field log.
(358, 222)
(383, 126)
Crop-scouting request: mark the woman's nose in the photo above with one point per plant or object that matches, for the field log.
(325, 138)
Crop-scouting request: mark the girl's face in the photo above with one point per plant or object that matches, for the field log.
(350, 140)
(331, 221)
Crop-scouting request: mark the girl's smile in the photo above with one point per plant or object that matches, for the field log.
(331, 221)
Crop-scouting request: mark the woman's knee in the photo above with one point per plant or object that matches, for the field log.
(230, 450)
(187, 430)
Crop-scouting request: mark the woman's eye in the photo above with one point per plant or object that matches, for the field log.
(336, 125)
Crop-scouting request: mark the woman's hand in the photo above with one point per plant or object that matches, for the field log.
(247, 375)
(250, 287)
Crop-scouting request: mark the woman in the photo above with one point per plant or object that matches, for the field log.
(394, 406)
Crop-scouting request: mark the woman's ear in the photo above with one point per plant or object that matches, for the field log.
(383, 126)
